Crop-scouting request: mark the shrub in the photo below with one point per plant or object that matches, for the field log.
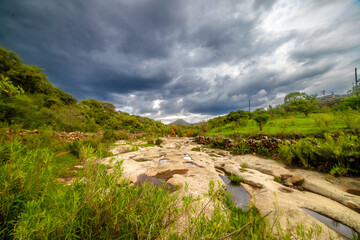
(172, 132)
(241, 148)
(190, 133)
(158, 141)
(217, 142)
(75, 148)
(337, 157)
(150, 141)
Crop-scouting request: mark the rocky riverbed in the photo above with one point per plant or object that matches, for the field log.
(289, 202)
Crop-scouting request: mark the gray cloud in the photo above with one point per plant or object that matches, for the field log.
(203, 58)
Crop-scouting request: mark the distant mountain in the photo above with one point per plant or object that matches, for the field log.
(179, 121)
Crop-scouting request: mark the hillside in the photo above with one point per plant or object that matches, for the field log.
(179, 122)
(29, 100)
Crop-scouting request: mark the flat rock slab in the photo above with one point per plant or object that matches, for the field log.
(333, 197)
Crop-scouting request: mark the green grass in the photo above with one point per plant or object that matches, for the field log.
(244, 165)
(277, 179)
(64, 165)
(314, 124)
(213, 155)
(236, 179)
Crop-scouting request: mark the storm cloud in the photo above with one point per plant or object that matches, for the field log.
(187, 59)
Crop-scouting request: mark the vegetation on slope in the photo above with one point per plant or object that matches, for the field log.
(28, 99)
(324, 133)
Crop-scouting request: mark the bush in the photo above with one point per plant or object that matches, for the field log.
(150, 141)
(158, 141)
(191, 133)
(75, 148)
(337, 157)
(241, 148)
(217, 142)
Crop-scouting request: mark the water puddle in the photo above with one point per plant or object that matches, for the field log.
(238, 194)
(190, 163)
(142, 160)
(167, 174)
(188, 158)
(353, 192)
(333, 224)
(285, 190)
(158, 181)
(164, 160)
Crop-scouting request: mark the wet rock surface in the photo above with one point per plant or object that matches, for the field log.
(336, 198)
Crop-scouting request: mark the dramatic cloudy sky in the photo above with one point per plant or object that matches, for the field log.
(169, 59)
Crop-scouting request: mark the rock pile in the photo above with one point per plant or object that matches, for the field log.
(74, 136)
(269, 143)
(67, 136)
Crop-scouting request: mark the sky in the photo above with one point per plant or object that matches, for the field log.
(170, 59)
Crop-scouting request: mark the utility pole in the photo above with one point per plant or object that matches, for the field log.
(249, 105)
(356, 79)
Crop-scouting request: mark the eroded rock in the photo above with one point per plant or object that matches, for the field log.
(285, 204)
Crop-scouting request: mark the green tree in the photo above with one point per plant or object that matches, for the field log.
(7, 89)
(261, 120)
(300, 102)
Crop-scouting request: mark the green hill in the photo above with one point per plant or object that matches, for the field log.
(29, 100)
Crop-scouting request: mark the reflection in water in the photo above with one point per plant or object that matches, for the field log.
(238, 194)
(159, 182)
(190, 163)
(333, 224)
(187, 157)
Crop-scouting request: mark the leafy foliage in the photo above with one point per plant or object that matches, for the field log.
(236, 179)
(29, 99)
(300, 102)
(7, 89)
(336, 156)
(261, 119)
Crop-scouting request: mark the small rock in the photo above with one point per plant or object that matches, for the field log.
(285, 176)
(293, 180)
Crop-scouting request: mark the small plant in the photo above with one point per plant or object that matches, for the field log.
(158, 141)
(150, 141)
(197, 149)
(244, 165)
(263, 152)
(213, 155)
(279, 180)
(236, 179)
